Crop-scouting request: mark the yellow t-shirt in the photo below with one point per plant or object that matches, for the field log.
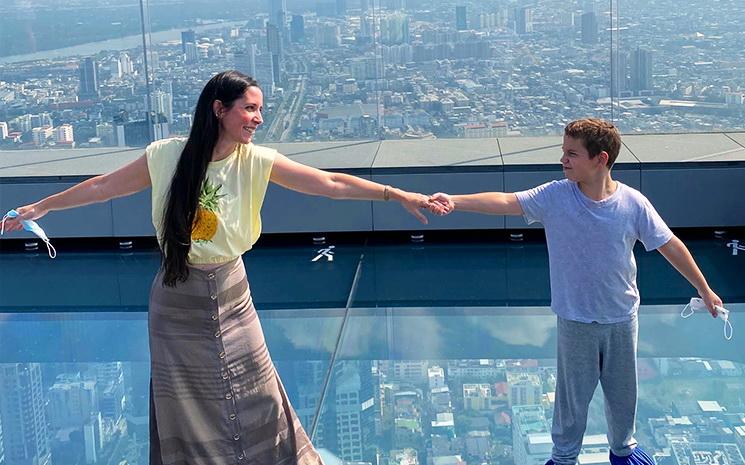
(228, 221)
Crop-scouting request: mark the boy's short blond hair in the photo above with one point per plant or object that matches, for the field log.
(597, 136)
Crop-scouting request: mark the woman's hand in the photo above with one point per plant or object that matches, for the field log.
(32, 211)
(413, 202)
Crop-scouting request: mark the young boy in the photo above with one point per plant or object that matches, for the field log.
(591, 224)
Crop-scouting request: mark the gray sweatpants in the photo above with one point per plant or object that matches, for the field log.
(586, 353)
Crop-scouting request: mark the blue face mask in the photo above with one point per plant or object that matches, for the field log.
(32, 227)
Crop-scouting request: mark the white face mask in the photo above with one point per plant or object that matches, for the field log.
(697, 304)
(32, 227)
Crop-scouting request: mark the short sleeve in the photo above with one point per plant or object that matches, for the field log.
(162, 156)
(651, 228)
(536, 202)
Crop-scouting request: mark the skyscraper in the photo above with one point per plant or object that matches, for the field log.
(88, 79)
(246, 62)
(297, 29)
(162, 104)
(274, 46)
(589, 28)
(641, 70)
(461, 21)
(394, 29)
(620, 73)
(523, 20)
(22, 414)
(187, 37)
(277, 13)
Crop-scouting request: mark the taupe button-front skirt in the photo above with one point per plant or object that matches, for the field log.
(215, 395)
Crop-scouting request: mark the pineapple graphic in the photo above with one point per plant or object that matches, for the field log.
(205, 223)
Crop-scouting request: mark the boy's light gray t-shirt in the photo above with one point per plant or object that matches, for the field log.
(590, 247)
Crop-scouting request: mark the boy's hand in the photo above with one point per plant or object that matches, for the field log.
(441, 204)
(711, 300)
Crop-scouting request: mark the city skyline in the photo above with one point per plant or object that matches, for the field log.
(398, 70)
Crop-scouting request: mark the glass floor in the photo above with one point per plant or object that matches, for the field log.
(436, 354)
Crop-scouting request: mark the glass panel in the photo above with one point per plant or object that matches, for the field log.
(72, 75)
(477, 384)
(681, 67)
(74, 359)
(419, 381)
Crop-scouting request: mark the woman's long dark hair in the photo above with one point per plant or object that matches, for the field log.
(183, 195)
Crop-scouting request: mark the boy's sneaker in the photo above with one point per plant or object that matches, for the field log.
(637, 457)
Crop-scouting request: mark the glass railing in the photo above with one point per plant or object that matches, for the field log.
(390, 353)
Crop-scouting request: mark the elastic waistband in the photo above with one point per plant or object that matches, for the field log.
(219, 272)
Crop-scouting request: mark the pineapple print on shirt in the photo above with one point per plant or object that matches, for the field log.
(205, 223)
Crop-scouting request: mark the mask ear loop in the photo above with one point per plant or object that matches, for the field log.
(2, 228)
(50, 249)
(727, 325)
(687, 311)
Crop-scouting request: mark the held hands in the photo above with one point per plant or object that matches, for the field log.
(441, 204)
(414, 202)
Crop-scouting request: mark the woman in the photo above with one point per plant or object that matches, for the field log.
(215, 395)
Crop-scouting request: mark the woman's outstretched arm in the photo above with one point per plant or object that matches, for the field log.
(309, 180)
(129, 179)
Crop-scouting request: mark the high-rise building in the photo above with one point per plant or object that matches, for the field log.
(328, 35)
(531, 435)
(25, 436)
(3, 130)
(245, 62)
(187, 37)
(394, 29)
(274, 46)
(641, 70)
(523, 20)
(126, 62)
(63, 134)
(620, 82)
(355, 407)
(525, 389)
(264, 73)
(115, 68)
(461, 20)
(88, 79)
(71, 400)
(395, 4)
(162, 104)
(40, 135)
(589, 28)
(192, 53)
(297, 29)
(436, 377)
(277, 13)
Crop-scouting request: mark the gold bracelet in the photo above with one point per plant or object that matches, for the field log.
(386, 194)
